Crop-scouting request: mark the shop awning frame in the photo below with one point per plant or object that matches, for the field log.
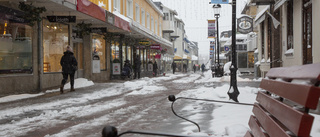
(279, 4)
(261, 16)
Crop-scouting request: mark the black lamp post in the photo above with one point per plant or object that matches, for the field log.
(216, 10)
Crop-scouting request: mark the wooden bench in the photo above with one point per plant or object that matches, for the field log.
(282, 108)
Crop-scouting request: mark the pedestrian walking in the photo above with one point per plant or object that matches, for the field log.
(203, 67)
(194, 68)
(69, 67)
(173, 66)
(155, 68)
(137, 64)
(185, 68)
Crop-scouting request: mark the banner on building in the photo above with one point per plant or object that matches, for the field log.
(212, 43)
(211, 28)
(219, 1)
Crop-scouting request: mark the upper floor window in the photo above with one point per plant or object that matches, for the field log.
(137, 13)
(116, 5)
(156, 25)
(129, 9)
(148, 20)
(143, 17)
(152, 24)
(166, 16)
(160, 29)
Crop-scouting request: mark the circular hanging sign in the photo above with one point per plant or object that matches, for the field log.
(245, 25)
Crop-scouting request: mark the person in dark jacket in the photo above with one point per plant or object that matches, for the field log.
(69, 66)
(173, 65)
(203, 67)
(155, 68)
(194, 68)
(137, 64)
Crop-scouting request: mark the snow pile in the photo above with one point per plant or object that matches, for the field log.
(78, 83)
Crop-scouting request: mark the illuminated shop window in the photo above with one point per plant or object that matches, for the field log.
(99, 48)
(55, 41)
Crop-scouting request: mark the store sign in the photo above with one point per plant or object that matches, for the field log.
(116, 68)
(219, 1)
(144, 43)
(157, 47)
(226, 48)
(99, 30)
(110, 17)
(245, 25)
(62, 19)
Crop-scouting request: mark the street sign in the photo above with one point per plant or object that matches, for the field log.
(219, 1)
(62, 19)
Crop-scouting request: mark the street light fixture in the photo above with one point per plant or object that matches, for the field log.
(216, 10)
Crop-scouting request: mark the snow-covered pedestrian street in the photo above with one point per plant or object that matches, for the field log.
(133, 105)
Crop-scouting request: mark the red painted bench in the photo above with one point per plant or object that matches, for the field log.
(283, 104)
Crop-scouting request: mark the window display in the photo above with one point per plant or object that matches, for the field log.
(55, 41)
(99, 48)
(15, 47)
(115, 50)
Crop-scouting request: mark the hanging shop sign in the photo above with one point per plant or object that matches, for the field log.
(245, 25)
(226, 48)
(219, 1)
(110, 17)
(155, 46)
(98, 30)
(144, 43)
(211, 28)
(62, 19)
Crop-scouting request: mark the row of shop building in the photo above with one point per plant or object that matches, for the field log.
(285, 33)
(103, 34)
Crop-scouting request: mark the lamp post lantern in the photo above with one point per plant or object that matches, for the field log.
(216, 10)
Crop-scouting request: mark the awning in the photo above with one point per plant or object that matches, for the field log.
(279, 4)
(186, 56)
(177, 57)
(261, 16)
(194, 57)
(91, 9)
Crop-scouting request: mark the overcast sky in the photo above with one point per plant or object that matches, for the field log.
(195, 14)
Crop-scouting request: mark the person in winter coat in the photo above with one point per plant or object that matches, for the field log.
(155, 68)
(194, 68)
(137, 64)
(173, 65)
(69, 66)
(203, 67)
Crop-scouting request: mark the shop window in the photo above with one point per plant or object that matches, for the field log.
(15, 47)
(124, 52)
(290, 24)
(55, 41)
(115, 50)
(99, 48)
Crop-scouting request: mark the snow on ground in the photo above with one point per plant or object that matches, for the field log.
(229, 120)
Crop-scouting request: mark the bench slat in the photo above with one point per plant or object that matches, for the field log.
(310, 71)
(304, 95)
(297, 122)
(248, 134)
(256, 128)
(270, 125)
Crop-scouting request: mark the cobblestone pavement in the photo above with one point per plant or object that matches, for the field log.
(150, 112)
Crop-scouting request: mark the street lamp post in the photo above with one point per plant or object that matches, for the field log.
(216, 10)
(233, 90)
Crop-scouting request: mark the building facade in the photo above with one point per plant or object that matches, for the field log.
(103, 35)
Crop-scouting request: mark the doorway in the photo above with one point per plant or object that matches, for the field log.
(78, 54)
(307, 32)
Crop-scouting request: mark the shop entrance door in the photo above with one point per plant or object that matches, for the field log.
(78, 53)
(307, 32)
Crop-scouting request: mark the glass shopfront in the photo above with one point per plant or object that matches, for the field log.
(99, 49)
(115, 50)
(15, 47)
(55, 41)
